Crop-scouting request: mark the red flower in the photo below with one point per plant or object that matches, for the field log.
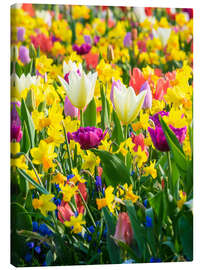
(136, 80)
(138, 140)
(161, 88)
(43, 42)
(91, 60)
(29, 9)
(148, 11)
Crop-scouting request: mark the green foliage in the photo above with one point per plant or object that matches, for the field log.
(90, 114)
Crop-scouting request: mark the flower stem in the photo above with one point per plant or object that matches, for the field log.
(125, 130)
(87, 208)
(38, 178)
(68, 149)
(81, 118)
(170, 168)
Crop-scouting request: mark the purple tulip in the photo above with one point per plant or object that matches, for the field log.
(116, 84)
(148, 98)
(16, 132)
(157, 134)
(69, 109)
(127, 40)
(21, 33)
(83, 49)
(24, 55)
(88, 137)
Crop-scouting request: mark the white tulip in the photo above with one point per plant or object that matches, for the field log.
(80, 89)
(163, 34)
(23, 82)
(127, 104)
(45, 16)
(71, 66)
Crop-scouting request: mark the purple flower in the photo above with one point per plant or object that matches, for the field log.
(96, 40)
(157, 134)
(127, 40)
(16, 132)
(24, 55)
(69, 109)
(148, 98)
(20, 33)
(83, 49)
(88, 137)
(87, 39)
(98, 182)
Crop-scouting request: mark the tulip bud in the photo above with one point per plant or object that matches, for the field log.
(134, 34)
(124, 230)
(21, 34)
(24, 55)
(30, 100)
(110, 53)
(32, 51)
(148, 98)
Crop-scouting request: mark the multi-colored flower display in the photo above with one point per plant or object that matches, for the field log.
(101, 135)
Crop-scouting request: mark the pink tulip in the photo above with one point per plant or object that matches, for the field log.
(69, 109)
(124, 230)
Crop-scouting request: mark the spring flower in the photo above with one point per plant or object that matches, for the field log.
(150, 170)
(22, 83)
(69, 109)
(88, 137)
(80, 89)
(157, 134)
(91, 60)
(71, 66)
(76, 177)
(108, 200)
(138, 140)
(129, 195)
(161, 88)
(183, 198)
(118, 85)
(16, 131)
(75, 223)
(24, 55)
(148, 98)
(68, 192)
(20, 33)
(90, 161)
(59, 179)
(136, 80)
(83, 49)
(44, 203)
(163, 34)
(124, 230)
(127, 104)
(127, 42)
(44, 154)
(42, 41)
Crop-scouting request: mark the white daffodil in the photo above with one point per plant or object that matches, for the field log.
(19, 84)
(163, 34)
(127, 104)
(80, 88)
(71, 66)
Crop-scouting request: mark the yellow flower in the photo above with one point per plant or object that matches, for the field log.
(182, 200)
(56, 135)
(140, 157)
(68, 191)
(150, 170)
(90, 161)
(44, 203)
(76, 223)
(76, 178)
(59, 179)
(80, 12)
(40, 121)
(180, 19)
(43, 64)
(44, 154)
(108, 200)
(19, 162)
(129, 195)
(15, 148)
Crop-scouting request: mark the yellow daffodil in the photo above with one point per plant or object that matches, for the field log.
(140, 157)
(183, 198)
(68, 191)
(75, 223)
(150, 170)
(108, 200)
(44, 203)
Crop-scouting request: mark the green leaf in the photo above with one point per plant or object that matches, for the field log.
(18, 70)
(20, 220)
(113, 249)
(175, 180)
(138, 229)
(185, 227)
(33, 182)
(104, 112)
(175, 146)
(117, 133)
(49, 258)
(113, 167)
(25, 116)
(25, 142)
(90, 114)
(159, 205)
